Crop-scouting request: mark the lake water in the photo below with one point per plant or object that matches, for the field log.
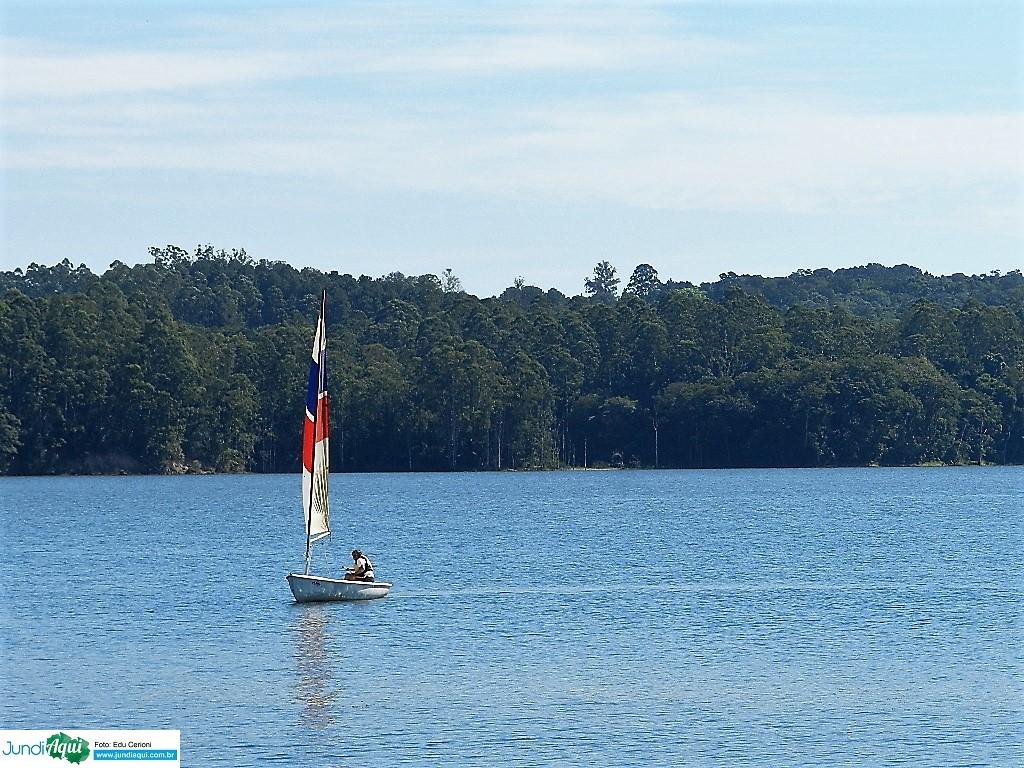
(775, 618)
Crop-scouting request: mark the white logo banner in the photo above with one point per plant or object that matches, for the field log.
(56, 747)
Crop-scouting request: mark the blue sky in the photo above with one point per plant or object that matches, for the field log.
(517, 139)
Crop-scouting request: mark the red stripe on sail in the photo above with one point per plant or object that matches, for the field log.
(308, 436)
(322, 430)
(307, 445)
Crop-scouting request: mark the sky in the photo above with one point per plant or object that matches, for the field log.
(506, 140)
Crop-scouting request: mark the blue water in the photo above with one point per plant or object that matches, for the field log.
(808, 617)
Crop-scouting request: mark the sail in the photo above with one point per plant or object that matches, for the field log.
(315, 463)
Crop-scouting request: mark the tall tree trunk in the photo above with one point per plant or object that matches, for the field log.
(501, 428)
(655, 439)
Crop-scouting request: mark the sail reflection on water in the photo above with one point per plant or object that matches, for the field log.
(313, 689)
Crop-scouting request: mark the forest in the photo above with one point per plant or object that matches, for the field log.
(197, 360)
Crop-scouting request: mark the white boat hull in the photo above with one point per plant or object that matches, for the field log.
(318, 589)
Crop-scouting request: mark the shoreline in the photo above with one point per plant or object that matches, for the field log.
(213, 473)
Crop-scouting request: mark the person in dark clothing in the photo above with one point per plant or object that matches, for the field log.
(362, 568)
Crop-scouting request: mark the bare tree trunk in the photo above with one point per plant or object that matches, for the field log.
(655, 439)
(981, 443)
(501, 428)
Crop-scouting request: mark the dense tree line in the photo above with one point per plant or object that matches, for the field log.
(199, 360)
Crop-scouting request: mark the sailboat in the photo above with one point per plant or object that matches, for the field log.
(305, 586)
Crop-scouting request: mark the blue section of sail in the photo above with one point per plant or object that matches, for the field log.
(312, 388)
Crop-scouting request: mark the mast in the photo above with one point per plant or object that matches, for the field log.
(321, 332)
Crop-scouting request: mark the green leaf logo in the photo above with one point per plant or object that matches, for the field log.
(60, 746)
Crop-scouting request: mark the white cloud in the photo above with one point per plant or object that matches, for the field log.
(665, 151)
(292, 109)
(271, 46)
(36, 76)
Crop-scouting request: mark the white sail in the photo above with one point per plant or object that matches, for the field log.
(315, 506)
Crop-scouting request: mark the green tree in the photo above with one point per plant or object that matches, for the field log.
(931, 332)
(604, 285)
(30, 384)
(643, 282)
(523, 435)
(10, 440)
(450, 283)
(458, 385)
(707, 422)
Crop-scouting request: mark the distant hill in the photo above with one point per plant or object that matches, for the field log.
(874, 291)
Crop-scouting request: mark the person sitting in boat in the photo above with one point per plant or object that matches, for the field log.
(362, 569)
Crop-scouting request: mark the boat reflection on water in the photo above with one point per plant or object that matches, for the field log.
(313, 690)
